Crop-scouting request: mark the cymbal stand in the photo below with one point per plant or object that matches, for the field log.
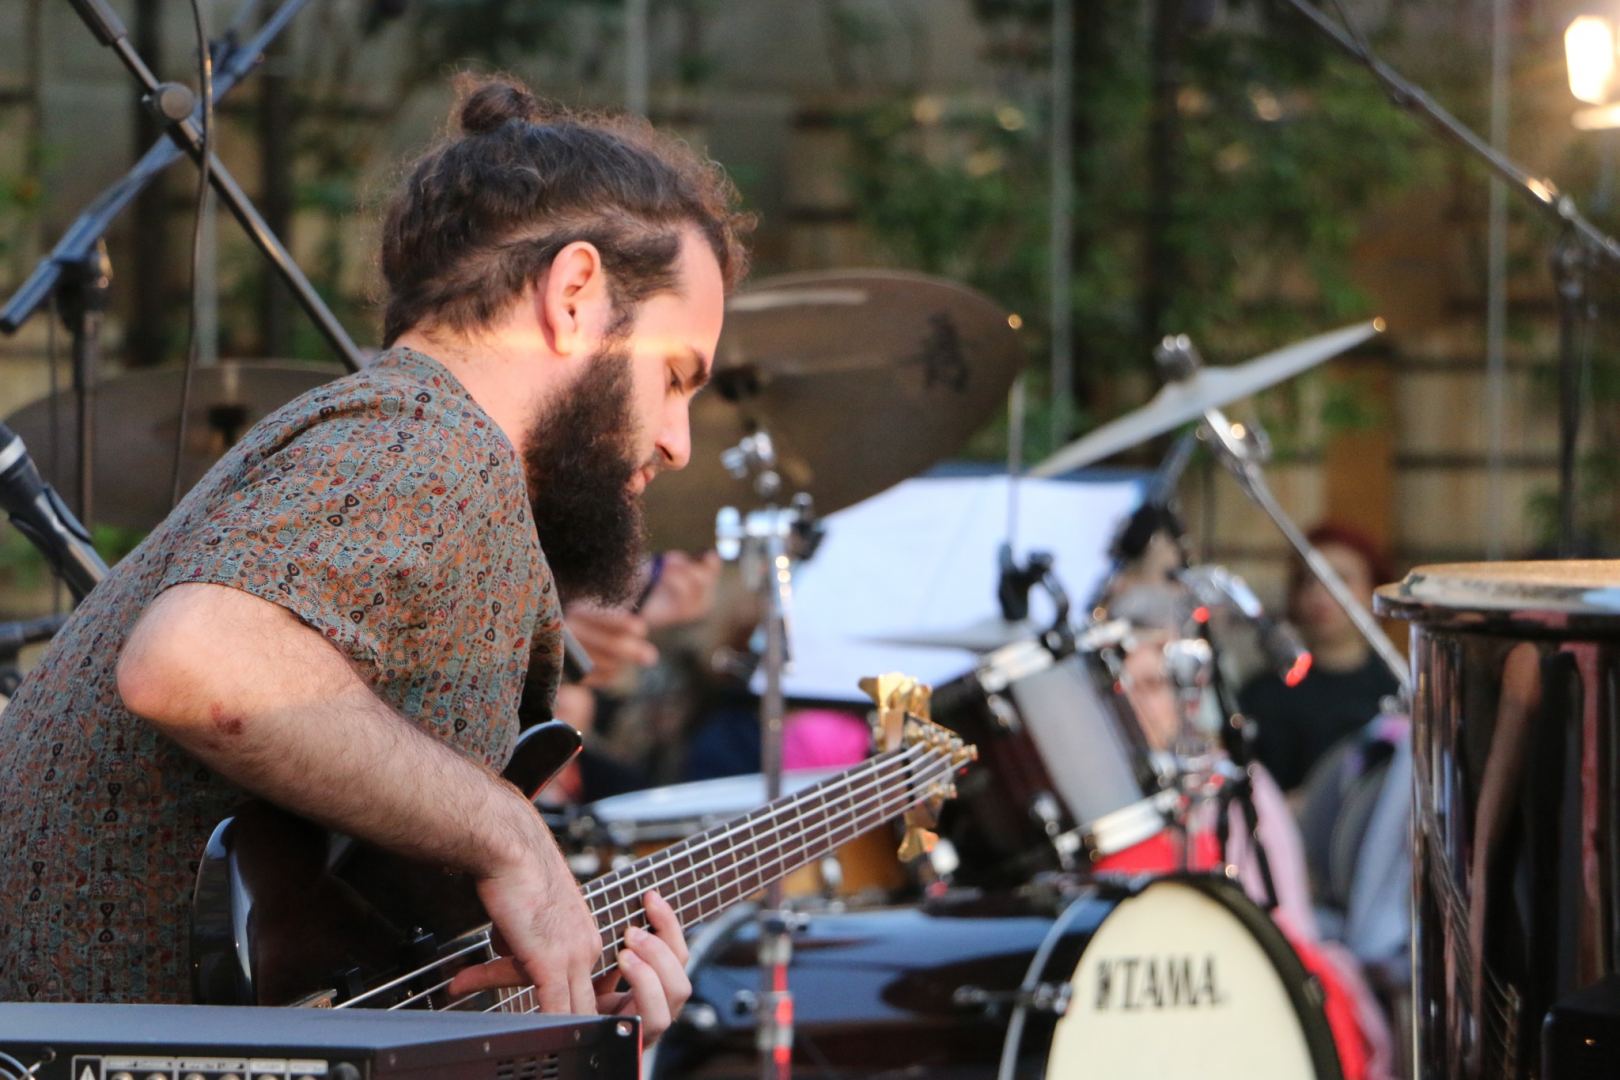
(176, 105)
(1244, 449)
(1189, 664)
(766, 543)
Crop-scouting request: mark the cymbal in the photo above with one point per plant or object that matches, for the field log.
(862, 379)
(1208, 388)
(137, 419)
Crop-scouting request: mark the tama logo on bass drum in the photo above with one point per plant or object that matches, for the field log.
(1157, 982)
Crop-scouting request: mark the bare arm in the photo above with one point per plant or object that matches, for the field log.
(264, 700)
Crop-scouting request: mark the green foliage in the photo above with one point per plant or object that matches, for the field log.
(1281, 150)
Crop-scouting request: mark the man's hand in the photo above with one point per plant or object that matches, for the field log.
(654, 965)
(616, 641)
(547, 936)
(684, 591)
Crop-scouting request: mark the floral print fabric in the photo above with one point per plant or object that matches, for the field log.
(388, 512)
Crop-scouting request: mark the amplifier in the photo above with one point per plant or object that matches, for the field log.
(202, 1042)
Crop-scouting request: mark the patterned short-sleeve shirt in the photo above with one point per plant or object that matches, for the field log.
(387, 511)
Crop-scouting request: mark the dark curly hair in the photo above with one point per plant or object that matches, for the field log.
(486, 210)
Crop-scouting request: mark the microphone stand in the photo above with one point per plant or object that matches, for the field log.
(1581, 246)
(1242, 449)
(767, 542)
(82, 299)
(174, 103)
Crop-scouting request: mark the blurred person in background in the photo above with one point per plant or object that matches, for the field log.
(680, 590)
(1347, 681)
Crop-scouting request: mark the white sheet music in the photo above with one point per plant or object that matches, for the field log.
(919, 560)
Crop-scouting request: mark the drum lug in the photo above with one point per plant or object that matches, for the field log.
(1050, 998)
(700, 1016)
(1004, 714)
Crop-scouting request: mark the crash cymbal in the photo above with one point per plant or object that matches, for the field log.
(862, 379)
(1207, 388)
(137, 417)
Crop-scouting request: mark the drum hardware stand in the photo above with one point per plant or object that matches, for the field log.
(1243, 449)
(1190, 663)
(175, 103)
(767, 542)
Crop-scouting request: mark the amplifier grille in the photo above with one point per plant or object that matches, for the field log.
(529, 1068)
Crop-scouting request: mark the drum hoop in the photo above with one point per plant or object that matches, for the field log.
(1129, 825)
(1290, 968)
(1032, 978)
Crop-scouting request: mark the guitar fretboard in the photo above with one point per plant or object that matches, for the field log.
(705, 873)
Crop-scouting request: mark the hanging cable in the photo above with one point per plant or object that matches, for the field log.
(205, 75)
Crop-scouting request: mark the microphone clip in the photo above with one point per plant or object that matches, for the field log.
(1014, 583)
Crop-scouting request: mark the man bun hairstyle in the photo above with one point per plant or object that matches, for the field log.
(486, 210)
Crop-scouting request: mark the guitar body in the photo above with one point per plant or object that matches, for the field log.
(286, 912)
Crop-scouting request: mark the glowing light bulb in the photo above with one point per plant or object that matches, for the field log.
(1589, 52)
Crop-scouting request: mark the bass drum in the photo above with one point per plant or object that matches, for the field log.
(1180, 977)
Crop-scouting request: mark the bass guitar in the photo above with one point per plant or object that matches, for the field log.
(287, 913)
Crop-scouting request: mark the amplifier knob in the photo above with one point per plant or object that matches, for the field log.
(121, 1076)
(195, 1076)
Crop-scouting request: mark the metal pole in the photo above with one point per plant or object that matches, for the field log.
(1062, 223)
(1017, 406)
(775, 936)
(1496, 291)
(635, 56)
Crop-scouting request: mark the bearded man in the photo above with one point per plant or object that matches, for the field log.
(340, 616)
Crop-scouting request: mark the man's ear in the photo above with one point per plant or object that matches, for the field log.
(573, 300)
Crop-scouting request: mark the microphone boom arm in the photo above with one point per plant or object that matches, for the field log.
(1239, 458)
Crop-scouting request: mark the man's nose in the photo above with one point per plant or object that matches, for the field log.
(675, 444)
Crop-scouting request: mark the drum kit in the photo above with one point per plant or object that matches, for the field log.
(1006, 948)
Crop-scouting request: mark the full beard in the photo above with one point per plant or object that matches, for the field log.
(579, 463)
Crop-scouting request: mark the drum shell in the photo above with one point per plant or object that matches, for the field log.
(1051, 732)
(875, 991)
(1515, 721)
(934, 990)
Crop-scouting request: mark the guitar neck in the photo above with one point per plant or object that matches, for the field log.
(705, 873)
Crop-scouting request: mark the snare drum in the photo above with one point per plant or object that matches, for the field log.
(1183, 977)
(1064, 769)
(629, 826)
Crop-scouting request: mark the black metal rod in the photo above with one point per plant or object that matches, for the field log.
(185, 137)
(1540, 191)
(1569, 272)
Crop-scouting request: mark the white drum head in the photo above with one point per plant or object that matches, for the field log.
(678, 810)
(1174, 983)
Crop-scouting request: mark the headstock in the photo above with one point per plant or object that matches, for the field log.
(902, 720)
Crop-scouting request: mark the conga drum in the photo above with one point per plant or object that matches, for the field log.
(1516, 744)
